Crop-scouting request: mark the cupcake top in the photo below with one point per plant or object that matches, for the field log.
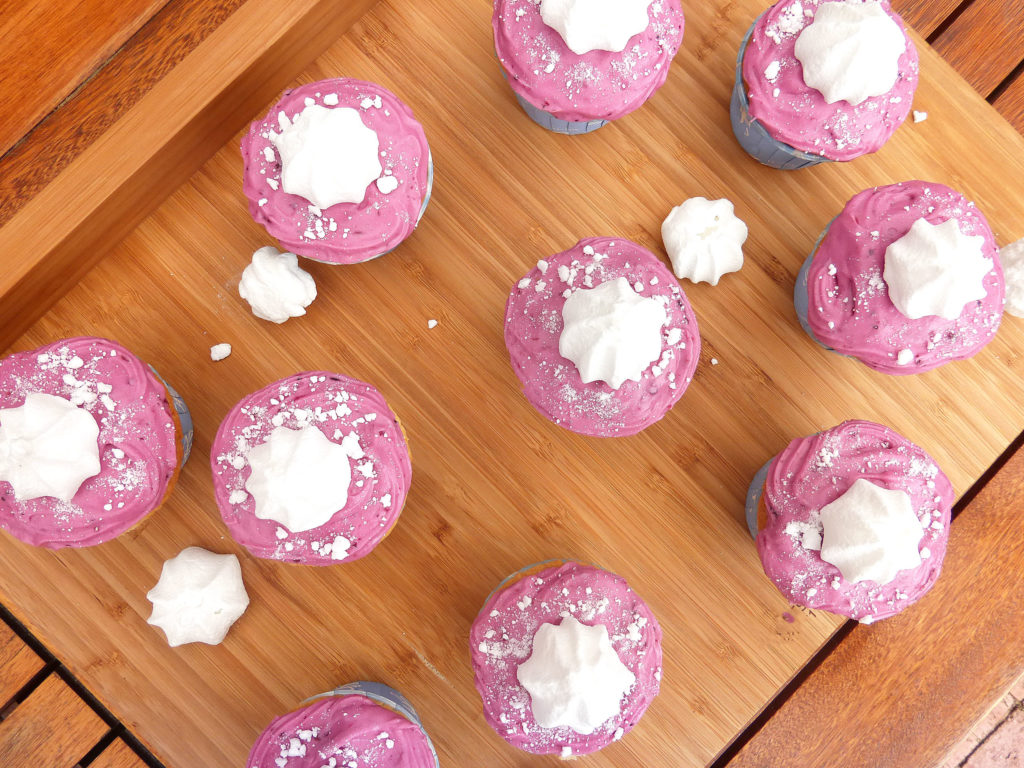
(346, 731)
(88, 443)
(566, 658)
(602, 337)
(857, 521)
(311, 469)
(337, 171)
(906, 279)
(585, 59)
(829, 77)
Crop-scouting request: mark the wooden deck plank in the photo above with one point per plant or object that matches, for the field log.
(52, 728)
(905, 691)
(18, 664)
(42, 69)
(925, 15)
(173, 33)
(118, 755)
(1011, 103)
(985, 43)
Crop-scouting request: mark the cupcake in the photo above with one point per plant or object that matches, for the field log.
(91, 442)
(359, 725)
(339, 171)
(602, 337)
(822, 80)
(312, 469)
(853, 520)
(905, 279)
(566, 658)
(576, 64)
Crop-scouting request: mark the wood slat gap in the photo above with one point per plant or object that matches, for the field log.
(948, 22)
(100, 746)
(26, 690)
(1009, 80)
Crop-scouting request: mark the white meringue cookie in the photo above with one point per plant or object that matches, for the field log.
(704, 239)
(595, 25)
(574, 677)
(935, 269)
(198, 597)
(850, 51)
(48, 447)
(1012, 259)
(275, 286)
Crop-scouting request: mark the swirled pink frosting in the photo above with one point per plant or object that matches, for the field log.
(533, 325)
(597, 85)
(798, 115)
(345, 233)
(353, 731)
(814, 471)
(138, 441)
(849, 308)
(337, 406)
(501, 639)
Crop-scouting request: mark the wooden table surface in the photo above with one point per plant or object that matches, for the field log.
(953, 662)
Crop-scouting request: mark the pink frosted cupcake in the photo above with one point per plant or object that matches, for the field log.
(91, 442)
(853, 520)
(359, 725)
(338, 171)
(602, 337)
(566, 658)
(905, 279)
(822, 80)
(574, 65)
(312, 469)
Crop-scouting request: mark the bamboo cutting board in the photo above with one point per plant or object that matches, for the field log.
(495, 485)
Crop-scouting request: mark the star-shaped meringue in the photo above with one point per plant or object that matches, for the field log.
(48, 447)
(870, 533)
(199, 596)
(574, 677)
(595, 25)
(935, 269)
(704, 239)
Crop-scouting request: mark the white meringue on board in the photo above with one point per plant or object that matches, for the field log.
(1011, 257)
(275, 286)
(704, 239)
(595, 25)
(199, 596)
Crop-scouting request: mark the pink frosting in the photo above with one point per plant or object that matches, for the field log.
(353, 729)
(501, 639)
(851, 311)
(533, 325)
(596, 85)
(799, 115)
(347, 232)
(138, 441)
(337, 406)
(814, 471)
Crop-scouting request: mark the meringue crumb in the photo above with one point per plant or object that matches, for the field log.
(431, 323)
(219, 351)
(905, 357)
(714, 361)
(920, 117)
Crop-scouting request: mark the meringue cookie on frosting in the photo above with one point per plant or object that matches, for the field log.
(704, 239)
(596, 25)
(199, 596)
(935, 269)
(299, 478)
(48, 447)
(1012, 259)
(573, 676)
(871, 533)
(275, 286)
(611, 333)
(328, 156)
(851, 51)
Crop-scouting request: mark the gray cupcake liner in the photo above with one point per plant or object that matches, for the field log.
(801, 292)
(184, 416)
(754, 493)
(557, 125)
(753, 136)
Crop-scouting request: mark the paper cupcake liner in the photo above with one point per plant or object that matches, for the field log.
(753, 136)
(557, 125)
(754, 493)
(184, 416)
(386, 696)
(801, 292)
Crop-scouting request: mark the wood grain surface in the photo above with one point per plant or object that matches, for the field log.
(52, 728)
(863, 704)
(18, 664)
(118, 755)
(172, 33)
(495, 485)
(925, 16)
(985, 43)
(40, 70)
